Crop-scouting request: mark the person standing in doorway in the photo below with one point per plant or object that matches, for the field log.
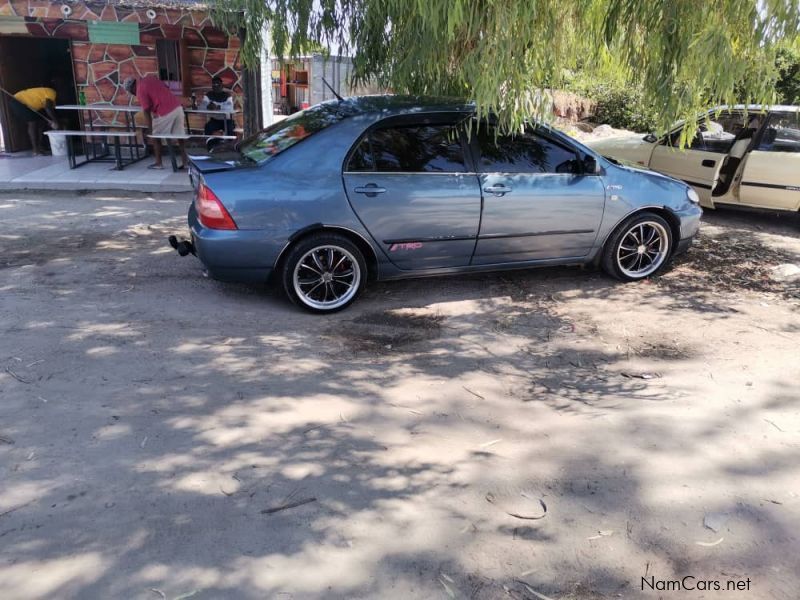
(163, 112)
(218, 99)
(36, 107)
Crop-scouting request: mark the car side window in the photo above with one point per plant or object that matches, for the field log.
(782, 133)
(715, 134)
(410, 149)
(361, 158)
(527, 152)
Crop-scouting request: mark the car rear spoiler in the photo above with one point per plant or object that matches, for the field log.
(205, 164)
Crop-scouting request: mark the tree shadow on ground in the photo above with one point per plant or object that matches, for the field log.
(153, 426)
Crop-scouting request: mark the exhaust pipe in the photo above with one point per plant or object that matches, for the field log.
(183, 247)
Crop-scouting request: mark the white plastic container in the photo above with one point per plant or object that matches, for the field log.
(58, 143)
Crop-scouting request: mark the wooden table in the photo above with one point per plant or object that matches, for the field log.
(226, 115)
(136, 152)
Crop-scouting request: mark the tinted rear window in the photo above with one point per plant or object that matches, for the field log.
(276, 138)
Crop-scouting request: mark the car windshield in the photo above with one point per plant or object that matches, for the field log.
(276, 138)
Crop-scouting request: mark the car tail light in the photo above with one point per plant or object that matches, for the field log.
(211, 211)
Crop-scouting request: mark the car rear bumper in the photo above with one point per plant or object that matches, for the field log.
(245, 256)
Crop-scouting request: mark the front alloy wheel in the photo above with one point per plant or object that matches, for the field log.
(324, 273)
(643, 249)
(639, 248)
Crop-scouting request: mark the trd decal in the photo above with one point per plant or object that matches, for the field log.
(405, 246)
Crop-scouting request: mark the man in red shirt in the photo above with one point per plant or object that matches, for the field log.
(163, 112)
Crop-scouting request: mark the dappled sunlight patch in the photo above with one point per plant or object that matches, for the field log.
(113, 330)
(256, 420)
(456, 308)
(113, 245)
(113, 431)
(203, 482)
(350, 552)
(301, 470)
(54, 577)
(395, 483)
(99, 351)
(239, 355)
(20, 494)
(110, 212)
(334, 568)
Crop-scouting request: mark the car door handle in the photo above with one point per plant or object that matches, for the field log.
(370, 190)
(708, 163)
(497, 190)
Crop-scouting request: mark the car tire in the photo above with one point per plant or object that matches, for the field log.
(323, 273)
(639, 248)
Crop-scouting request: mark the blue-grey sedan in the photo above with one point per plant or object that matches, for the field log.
(387, 187)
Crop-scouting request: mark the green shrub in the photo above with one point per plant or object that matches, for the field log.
(788, 85)
(622, 108)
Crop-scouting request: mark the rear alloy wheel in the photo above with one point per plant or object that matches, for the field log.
(639, 248)
(324, 273)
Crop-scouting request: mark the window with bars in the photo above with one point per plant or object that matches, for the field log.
(169, 60)
(172, 56)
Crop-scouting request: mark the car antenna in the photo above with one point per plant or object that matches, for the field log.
(328, 85)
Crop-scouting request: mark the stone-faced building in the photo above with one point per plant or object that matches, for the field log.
(86, 48)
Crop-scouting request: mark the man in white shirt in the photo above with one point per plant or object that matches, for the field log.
(218, 99)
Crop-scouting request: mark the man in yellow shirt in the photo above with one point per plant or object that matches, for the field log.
(35, 106)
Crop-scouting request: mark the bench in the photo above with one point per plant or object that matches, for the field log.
(182, 137)
(84, 136)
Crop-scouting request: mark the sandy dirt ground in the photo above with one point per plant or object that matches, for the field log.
(537, 434)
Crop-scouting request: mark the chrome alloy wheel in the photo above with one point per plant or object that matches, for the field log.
(643, 249)
(326, 277)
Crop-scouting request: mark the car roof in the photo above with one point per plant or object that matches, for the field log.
(759, 107)
(403, 104)
(389, 104)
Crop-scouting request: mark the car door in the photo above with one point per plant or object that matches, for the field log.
(409, 182)
(699, 165)
(771, 175)
(537, 204)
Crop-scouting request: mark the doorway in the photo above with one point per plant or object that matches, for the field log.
(27, 62)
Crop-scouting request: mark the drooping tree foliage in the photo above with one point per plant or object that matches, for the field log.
(685, 54)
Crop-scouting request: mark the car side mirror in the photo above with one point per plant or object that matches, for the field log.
(589, 165)
(650, 138)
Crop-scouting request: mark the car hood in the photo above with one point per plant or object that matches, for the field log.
(624, 142)
(649, 173)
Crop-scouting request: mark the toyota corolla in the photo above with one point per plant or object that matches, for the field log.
(387, 187)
